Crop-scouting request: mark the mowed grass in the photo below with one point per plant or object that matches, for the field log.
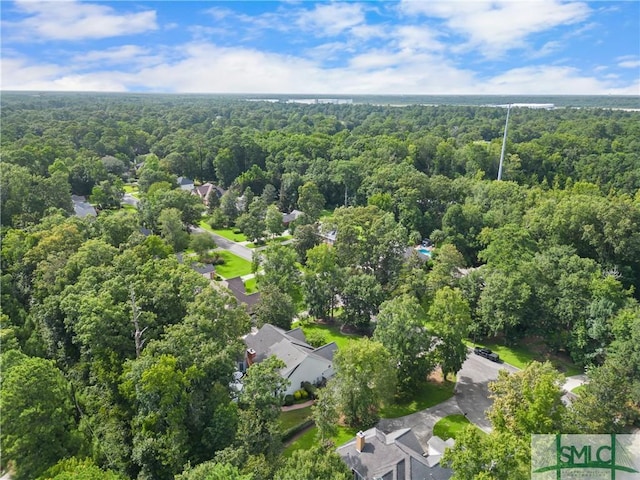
(294, 417)
(430, 394)
(450, 426)
(271, 240)
(308, 439)
(233, 265)
(521, 355)
(228, 233)
(231, 234)
(251, 286)
(332, 333)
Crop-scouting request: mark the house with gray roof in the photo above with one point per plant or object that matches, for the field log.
(185, 183)
(398, 455)
(82, 208)
(303, 363)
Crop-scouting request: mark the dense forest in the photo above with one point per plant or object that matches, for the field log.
(117, 358)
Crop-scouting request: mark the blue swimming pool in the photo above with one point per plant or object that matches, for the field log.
(424, 251)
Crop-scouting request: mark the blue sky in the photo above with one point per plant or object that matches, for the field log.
(390, 47)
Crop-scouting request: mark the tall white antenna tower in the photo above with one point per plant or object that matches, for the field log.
(504, 143)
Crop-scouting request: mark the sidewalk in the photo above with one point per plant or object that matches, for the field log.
(297, 406)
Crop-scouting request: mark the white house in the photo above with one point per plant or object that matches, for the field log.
(303, 363)
(185, 183)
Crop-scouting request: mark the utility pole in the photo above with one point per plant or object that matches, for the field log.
(504, 143)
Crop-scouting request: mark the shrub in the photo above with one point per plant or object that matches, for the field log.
(289, 399)
(296, 395)
(310, 389)
(316, 338)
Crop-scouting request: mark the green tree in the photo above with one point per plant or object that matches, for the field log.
(497, 456)
(159, 389)
(279, 267)
(213, 471)
(201, 243)
(313, 464)
(275, 307)
(451, 319)
(400, 328)
(361, 296)
(229, 205)
(75, 469)
(172, 229)
(260, 401)
(310, 201)
(38, 426)
(273, 221)
(364, 382)
(321, 281)
(528, 401)
(305, 238)
(252, 223)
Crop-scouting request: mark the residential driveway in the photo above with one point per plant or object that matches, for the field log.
(421, 422)
(226, 244)
(471, 399)
(472, 387)
(130, 200)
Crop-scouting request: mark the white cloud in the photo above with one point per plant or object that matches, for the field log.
(72, 20)
(411, 37)
(17, 74)
(496, 27)
(113, 56)
(546, 79)
(332, 18)
(628, 61)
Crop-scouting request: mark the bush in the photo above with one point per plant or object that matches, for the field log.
(291, 432)
(310, 389)
(296, 394)
(316, 338)
(288, 400)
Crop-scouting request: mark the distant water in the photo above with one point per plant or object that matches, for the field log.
(603, 101)
(575, 101)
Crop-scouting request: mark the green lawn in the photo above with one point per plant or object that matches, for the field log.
(130, 189)
(521, 355)
(578, 390)
(308, 439)
(126, 206)
(332, 333)
(251, 286)
(233, 266)
(430, 394)
(294, 417)
(228, 233)
(272, 240)
(450, 427)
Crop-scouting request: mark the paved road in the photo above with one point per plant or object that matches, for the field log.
(472, 392)
(226, 244)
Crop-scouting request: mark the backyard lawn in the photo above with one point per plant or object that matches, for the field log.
(271, 240)
(294, 417)
(430, 394)
(451, 426)
(332, 333)
(308, 439)
(233, 266)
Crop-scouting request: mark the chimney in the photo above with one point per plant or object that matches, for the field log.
(360, 441)
(251, 356)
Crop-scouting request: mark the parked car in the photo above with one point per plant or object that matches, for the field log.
(486, 353)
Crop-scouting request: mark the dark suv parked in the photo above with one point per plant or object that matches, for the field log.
(486, 353)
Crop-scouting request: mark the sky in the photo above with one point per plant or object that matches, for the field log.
(305, 47)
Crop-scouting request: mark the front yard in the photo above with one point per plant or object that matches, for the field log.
(233, 265)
